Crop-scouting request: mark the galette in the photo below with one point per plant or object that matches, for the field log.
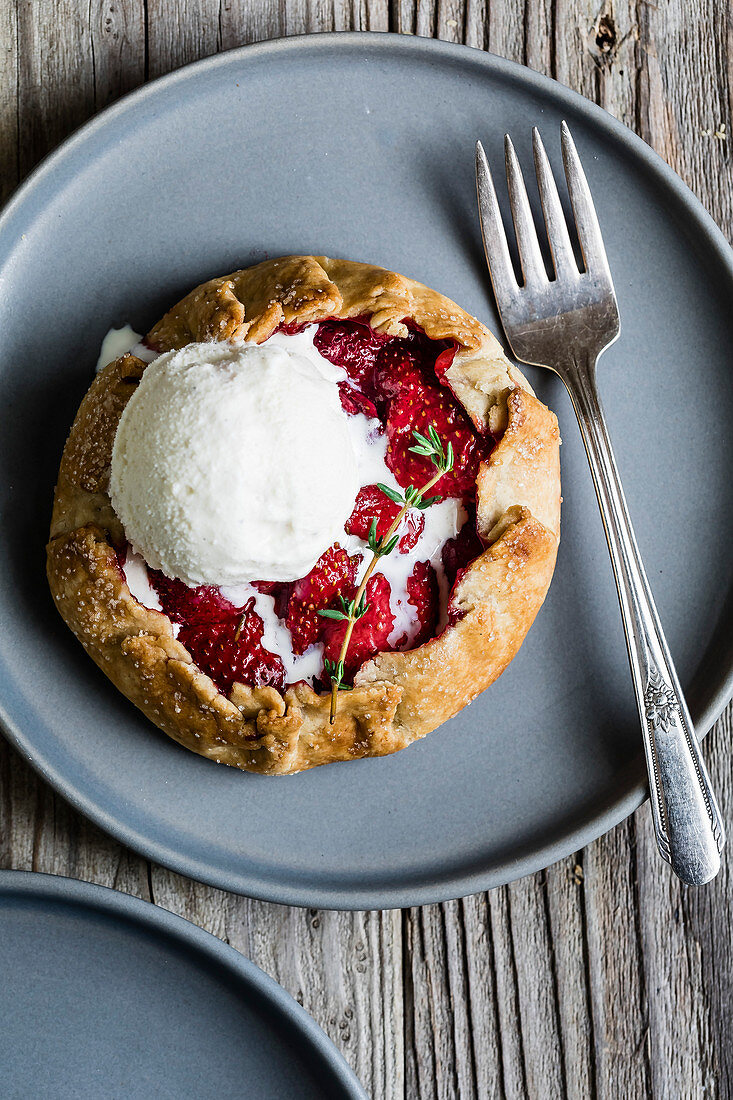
(309, 517)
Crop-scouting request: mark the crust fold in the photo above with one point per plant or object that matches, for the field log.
(397, 697)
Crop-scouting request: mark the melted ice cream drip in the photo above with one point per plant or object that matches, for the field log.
(119, 341)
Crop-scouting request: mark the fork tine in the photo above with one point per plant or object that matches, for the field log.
(557, 229)
(533, 266)
(492, 229)
(586, 219)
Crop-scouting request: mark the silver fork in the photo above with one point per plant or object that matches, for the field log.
(565, 323)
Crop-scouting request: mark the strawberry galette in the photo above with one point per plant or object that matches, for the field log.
(309, 517)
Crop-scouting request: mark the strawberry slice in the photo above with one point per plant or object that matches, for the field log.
(424, 595)
(334, 572)
(225, 641)
(443, 363)
(121, 557)
(232, 650)
(353, 345)
(397, 368)
(460, 551)
(204, 604)
(417, 407)
(354, 401)
(370, 633)
(372, 503)
(410, 399)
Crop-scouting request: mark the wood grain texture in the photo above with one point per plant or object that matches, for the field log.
(602, 976)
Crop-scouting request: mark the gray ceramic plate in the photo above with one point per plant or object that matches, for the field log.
(362, 146)
(107, 995)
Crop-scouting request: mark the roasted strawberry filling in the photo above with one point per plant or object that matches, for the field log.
(334, 572)
(372, 504)
(371, 633)
(460, 551)
(423, 594)
(397, 377)
(399, 384)
(225, 641)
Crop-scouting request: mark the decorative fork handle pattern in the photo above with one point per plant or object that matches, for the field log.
(687, 822)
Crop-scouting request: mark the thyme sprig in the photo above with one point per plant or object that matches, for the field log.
(429, 446)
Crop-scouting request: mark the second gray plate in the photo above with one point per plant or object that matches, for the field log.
(362, 146)
(105, 995)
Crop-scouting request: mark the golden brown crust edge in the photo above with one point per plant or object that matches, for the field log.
(398, 697)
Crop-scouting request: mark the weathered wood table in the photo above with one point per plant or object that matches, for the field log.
(600, 976)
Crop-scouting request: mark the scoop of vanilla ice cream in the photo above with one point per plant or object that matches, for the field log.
(234, 463)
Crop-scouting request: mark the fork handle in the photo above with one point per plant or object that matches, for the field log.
(687, 823)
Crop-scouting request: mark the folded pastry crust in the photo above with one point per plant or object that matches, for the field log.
(397, 697)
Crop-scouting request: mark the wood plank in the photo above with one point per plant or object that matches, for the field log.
(514, 1076)
(618, 995)
(117, 48)
(679, 1031)
(441, 1037)
(41, 832)
(483, 1013)
(567, 941)
(8, 100)
(536, 987)
(686, 96)
(475, 25)
(242, 22)
(683, 91)
(55, 76)
(505, 29)
(180, 31)
(486, 994)
(308, 16)
(704, 942)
